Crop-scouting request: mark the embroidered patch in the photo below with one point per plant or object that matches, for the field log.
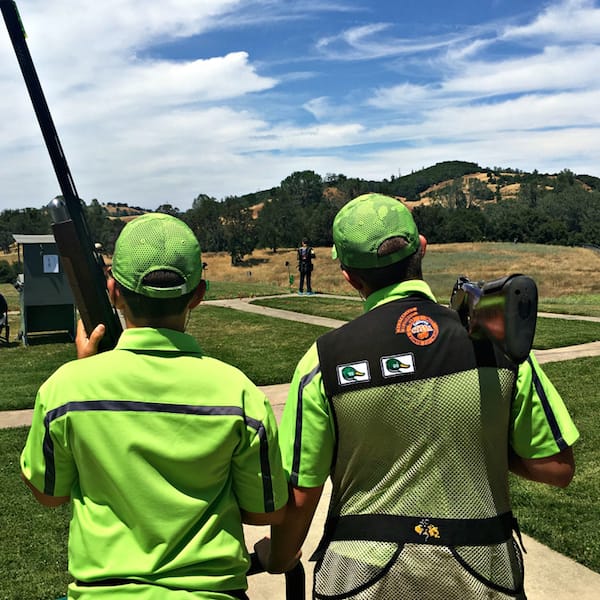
(421, 330)
(399, 364)
(356, 372)
(427, 530)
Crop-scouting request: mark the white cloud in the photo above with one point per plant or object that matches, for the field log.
(555, 68)
(568, 21)
(148, 131)
(406, 97)
(368, 42)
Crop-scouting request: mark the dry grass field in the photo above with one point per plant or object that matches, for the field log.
(558, 271)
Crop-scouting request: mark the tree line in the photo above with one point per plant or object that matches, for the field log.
(561, 209)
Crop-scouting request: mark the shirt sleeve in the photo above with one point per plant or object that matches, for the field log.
(47, 461)
(307, 432)
(541, 424)
(259, 481)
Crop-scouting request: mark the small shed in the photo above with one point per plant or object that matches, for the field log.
(46, 300)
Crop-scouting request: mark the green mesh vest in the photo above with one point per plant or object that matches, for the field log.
(420, 506)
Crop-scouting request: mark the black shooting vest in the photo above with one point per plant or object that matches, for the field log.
(420, 484)
(305, 259)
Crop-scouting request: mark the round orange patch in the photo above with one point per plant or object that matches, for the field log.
(422, 330)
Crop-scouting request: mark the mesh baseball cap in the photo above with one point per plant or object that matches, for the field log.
(362, 225)
(157, 242)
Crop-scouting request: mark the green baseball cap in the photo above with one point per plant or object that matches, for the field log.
(362, 225)
(157, 242)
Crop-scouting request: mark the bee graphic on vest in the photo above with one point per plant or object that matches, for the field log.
(427, 530)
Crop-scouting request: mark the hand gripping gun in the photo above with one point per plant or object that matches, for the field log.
(503, 310)
(83, 264)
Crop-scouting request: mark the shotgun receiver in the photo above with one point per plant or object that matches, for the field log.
(83, 265)
(503, 310)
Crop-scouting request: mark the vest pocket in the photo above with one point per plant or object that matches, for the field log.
(360, 570)
(498, 567)
(348, 568)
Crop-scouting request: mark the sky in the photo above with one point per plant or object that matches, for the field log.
(158, 101)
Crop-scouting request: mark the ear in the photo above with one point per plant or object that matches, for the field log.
(423, 244)
(353, 280)
(113, 293)
(198, 294)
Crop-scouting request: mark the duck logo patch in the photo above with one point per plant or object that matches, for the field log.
(421, 330)
(357, 372)
(399, 364)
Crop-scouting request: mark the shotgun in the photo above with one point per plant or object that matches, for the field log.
(82, 263)
(503, 310)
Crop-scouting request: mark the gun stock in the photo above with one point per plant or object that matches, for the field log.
(503, 310)
(83, 266)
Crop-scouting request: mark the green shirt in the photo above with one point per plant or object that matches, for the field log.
(159, 447)
(540, 421)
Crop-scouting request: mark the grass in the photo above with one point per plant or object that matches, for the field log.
(559, 271)
(241, 339)
(550, 333)
(557, 333)
(25, 368)
(218, 290)
(333, 308)
(566, 520)
(11, 295)
(33, 561)
(563, 274)
(588, 305)
(245, 339)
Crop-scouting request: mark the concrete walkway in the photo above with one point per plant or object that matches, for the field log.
(548, 574)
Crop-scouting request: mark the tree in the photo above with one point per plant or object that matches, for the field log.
(31, 221)
(240, 229)
(304, 186)
(278, 223)
(205, 220)
(103, 229)
(169, 209)
(318, 223)
(8, 272)
(6, 238)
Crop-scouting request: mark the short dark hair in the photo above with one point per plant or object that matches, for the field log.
(407, 268)
(143, 307)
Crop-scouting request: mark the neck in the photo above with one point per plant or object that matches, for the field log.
(175, 322)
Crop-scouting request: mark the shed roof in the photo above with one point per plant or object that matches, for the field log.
(33, 239)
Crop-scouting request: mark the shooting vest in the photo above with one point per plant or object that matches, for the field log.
(305, 259)
(420, 506)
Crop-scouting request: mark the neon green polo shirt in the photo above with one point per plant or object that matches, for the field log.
(540, 423)
(159, 447)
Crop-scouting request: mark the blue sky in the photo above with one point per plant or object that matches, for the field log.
(157, 101)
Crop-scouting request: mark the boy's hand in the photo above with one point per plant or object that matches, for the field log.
(88, 346)
(263, 552)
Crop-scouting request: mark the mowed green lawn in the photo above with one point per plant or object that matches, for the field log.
(33, 560)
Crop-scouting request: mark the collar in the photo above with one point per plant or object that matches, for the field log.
(397, 291)
(161, 340)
